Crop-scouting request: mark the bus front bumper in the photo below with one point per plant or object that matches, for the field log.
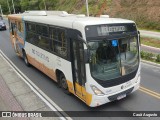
(100, 100)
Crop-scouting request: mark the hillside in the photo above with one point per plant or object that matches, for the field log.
(146, 13)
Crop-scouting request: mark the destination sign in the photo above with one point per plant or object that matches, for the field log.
(109, 29)
(105, 30)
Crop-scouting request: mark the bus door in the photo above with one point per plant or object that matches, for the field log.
(78, 68)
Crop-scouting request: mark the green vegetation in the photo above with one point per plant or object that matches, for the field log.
(145, 13)
(150, 57)
(150, 42)
(23, 5)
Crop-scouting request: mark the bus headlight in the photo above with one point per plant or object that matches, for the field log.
(96, 90)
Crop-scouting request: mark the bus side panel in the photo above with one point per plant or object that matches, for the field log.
(48, 63)
(41, 59)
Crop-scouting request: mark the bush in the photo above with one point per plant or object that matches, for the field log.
(143, 54)
(158, 58)
(148, 56)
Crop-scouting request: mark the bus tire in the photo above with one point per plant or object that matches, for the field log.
(64, 84)
(25, 59)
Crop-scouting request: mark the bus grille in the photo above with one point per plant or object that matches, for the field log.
(114, 97)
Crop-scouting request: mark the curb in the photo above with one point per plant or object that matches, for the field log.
(150, 47)
(150, 63)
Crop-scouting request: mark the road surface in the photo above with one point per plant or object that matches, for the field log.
(150, 49)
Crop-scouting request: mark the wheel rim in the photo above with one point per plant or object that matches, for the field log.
(64, 83)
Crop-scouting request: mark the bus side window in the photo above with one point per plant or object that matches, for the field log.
(45, 31)
(42, 30)
(53, 37)
(38, 29)
(42, 36)
(20, 27)
(31, 35)
(61, 44)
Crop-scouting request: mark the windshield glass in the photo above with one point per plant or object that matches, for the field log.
(110, 59)
(1, 18)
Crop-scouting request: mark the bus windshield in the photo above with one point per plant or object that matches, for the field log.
(111, 59)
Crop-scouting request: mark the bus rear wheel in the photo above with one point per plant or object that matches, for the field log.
(64, 84)
(25, 58)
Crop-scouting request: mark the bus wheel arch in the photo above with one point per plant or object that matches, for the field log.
(62, 82)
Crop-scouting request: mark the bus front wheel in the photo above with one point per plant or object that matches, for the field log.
(64, 84)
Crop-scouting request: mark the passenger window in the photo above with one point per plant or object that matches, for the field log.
(44, 43)
(53, 37)
(42, 30)
(38, 29)
(31, 27)
(45, 31)
(61, 43)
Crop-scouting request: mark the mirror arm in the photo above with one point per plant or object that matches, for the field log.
(80, 38)
(139, 37)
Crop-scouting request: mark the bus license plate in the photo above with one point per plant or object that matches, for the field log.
(121, 96)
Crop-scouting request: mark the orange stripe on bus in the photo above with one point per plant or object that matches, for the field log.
(15, 18)
(87, 97)
(49, 72)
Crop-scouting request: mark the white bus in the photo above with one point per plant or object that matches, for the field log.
(95, 58)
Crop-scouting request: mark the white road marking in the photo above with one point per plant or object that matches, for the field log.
(51, 104)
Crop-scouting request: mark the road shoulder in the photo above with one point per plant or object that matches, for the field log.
(15, 94)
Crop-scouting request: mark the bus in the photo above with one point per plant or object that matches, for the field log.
(95, 58)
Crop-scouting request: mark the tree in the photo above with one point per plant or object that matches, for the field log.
(50, 4)
(3, 4)
(24, 5)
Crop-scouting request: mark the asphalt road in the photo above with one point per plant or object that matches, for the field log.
(138, 101)
(150, 49)
(150, 34)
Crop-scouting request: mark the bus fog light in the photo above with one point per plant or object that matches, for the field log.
(96, 90)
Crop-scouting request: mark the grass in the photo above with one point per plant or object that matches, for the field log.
(150, 42)
(150, 57)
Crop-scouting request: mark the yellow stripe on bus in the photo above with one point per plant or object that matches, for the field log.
(87, 97)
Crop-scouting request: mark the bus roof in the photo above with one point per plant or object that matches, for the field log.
(63, 19)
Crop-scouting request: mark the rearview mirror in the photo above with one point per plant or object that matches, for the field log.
(86, 51)
(86, 55)
(82, 40)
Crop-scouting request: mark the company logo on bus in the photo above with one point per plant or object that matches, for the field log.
(40, 55)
